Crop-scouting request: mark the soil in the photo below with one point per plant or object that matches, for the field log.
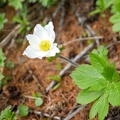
(30, 76)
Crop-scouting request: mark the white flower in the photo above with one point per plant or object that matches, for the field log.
(42, 42)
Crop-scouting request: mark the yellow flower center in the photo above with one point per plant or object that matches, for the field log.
(44, 45)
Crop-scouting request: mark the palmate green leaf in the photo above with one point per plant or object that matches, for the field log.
(86, 96)
(101, 107)
(110, 74)
(86, 76)
(114, 93)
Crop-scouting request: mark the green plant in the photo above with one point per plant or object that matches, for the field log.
(99, 83)
(38, 99)
(17, 4)
(10, 65)
(1, 77)
(114, 5)
(7, 114)
(22, 20)
(3, 20)
(5, 80)
(2, 58)
(48, 3)
(115, 19)
(23, 110)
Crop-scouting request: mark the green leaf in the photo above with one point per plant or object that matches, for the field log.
(86, 96)
(115, 18)
(38, 102)
(94, 109)
(116, 27)
(47, 3)
(3, 20)
(95, 12)
(17, 4)
(55, 77)
(23, 110)
(98, 58)
(114, 94)
(56, 86)
(7, 114)
(1, 76)
(99, 87)
(98, 62)
(107, 3)
(117, 5)
(2, 58)
(101, 107)
(36, 95)
(110, 74)
(86, 76)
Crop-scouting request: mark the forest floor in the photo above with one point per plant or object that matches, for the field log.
(72, 22)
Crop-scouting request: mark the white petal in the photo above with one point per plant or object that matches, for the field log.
(42, 54)
(53, 50)
(40, 32)
(34, 41)
(31, 53)
(50, 30)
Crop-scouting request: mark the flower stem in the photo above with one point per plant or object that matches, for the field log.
(68, 60)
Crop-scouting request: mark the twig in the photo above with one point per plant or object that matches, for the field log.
(114, 43)
(35, 78)
(72, 110)
(82, 39)
(68, 60)
(9, 36)
(74, 113)
(54, 82)
(62, 19)
(44, 114)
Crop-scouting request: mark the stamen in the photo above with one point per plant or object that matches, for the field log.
(44, 45)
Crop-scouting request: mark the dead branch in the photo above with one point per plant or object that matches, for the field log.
(44, 115)
(10, 36)
(74, 113)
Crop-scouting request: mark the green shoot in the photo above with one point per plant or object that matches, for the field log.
(10, 65)
(99, 83)
(38, 99)
(7, 114)
(3, 20)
